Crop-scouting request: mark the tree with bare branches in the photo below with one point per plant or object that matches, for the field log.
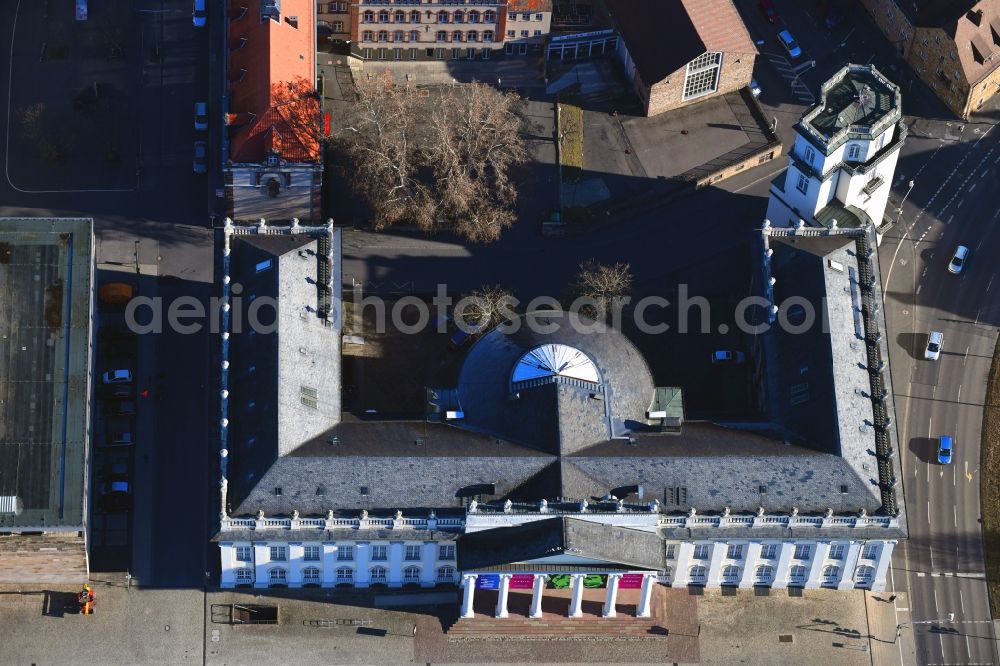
(601, 284)
(438, 159)
(488, 306)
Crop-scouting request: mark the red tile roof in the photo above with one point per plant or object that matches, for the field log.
(274, 100)
(664, 35)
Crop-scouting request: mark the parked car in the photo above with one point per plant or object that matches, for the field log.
(118, 434)
(120, 376)
(934, 341)
(116, 391)
(114, 495)
(791, 46)
(728, 356)
(119, 408)
(957, 262)
(114, 471)
(115, 293)
(201, 116)
(768, 10)
(200, 157)
(945, 449)
(198, 14)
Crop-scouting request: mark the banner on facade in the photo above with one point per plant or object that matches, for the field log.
(630, 582)
(522, 581)
(488, 582)
(564, 581)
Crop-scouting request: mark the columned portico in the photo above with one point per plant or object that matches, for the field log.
(468, 594)
(612, 598)
(537, 587)
(576, 601)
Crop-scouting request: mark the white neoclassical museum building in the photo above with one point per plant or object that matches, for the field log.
(554, 460)
(841, 167)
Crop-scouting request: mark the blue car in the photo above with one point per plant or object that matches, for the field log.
(945, 446)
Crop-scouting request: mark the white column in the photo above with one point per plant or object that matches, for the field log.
(682, 564)
(536, 596)
(612, 598)
(227, 563)
(819, 553)
(296, 553)
(719, 549)
(646, 594)
(362, 574)
(781, 569)
(468, 594)
(884, 560)
(502, 595)
(850, 563)
(750, 564)
(261, 558)
(395, 564)
(328, 573)
(576, 601)
(428, 559)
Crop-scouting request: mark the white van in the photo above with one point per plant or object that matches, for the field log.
(933, 350)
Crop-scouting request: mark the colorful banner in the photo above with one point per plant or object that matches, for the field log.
(522, 582)
(630, 582)
(564, 581)
(488, 582)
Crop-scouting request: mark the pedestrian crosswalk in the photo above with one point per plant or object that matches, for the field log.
(791, 74)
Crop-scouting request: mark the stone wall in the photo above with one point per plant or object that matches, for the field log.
(665, 95)
(43, 558)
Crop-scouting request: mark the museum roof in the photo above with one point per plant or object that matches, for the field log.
(856, 98)
(46, 289)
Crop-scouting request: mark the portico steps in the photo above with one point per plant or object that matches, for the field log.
(616, 627)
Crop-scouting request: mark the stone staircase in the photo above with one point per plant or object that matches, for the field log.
(554, 626)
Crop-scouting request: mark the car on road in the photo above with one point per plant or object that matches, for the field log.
(198, 14)
(728, 356)
(957, 262)
(119, 376)
(945, 449)
(200, 157)
(754, 87)
(201, 116)
(791, 46)
(933, 350)
(767, 9)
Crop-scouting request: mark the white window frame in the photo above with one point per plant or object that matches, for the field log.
(244, 575)
(802, 551)
(854, 151)
(379, 574)
(277, 575)
(830, 574)
(731, 574)
(809, 155)
(837, 551)
(797, 574)
(408, 551)
(446, 573)
(244, 553)
(344, 575)
(446, 551)
(735, 551)
(411, 574)
(380, 552)
(702, 75)
(764, 575)
(870, 551)
(802, 183)
(702, 551)
(310, 575)
(279, 553)
(345, 553)
(312, 553)
(769, 551)
(698, 575)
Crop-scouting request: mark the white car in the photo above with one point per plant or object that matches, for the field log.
(790, 44)
(122, 376)
(198, 14)
(201, 116)
(957, 262)
(755, 87)
(933, 350)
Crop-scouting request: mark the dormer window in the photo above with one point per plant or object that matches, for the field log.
(853, 152)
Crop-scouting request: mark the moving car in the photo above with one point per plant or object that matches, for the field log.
(201, 116)
(120, 376)
(198, 14)
(957, 262)
(727, 356)
(755, 87)
(790, 44)
(200, 157)
(933, 350)
(768, 10)
(945, 448)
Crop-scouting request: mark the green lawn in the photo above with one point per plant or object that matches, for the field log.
(571, 127)
(989, 489)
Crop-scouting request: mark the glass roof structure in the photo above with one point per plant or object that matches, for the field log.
(555, 360)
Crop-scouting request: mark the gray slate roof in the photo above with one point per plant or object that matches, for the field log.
(561, 536)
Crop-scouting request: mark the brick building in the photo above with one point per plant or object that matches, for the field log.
(273, 168)
(46, 286)
(952, 45)
(708, 52)
(406, 30)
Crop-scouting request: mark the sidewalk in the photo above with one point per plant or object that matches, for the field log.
(882, 620)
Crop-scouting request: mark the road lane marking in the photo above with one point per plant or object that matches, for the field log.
(990, 283)
(961, 600)
(960, 202)
(959, 393)
(928, 501)
(950, 218)
(973, 187)
(955, 510)
(996, 214)
(919, 287)
(966, 355)
(954, 475)
(968, 648)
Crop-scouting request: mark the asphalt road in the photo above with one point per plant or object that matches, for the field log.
(953, 202)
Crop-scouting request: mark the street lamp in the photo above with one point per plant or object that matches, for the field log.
(899, 211)
(947, 620)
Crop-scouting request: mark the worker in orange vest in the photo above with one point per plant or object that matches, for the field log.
(86, 600)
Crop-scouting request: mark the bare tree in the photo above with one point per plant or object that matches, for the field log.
(488, 306)
(602, 284)
(440, 160)
(32, 120)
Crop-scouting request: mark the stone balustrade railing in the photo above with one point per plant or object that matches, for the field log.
(231, 524)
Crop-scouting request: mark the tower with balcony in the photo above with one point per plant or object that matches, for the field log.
(841, 167)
